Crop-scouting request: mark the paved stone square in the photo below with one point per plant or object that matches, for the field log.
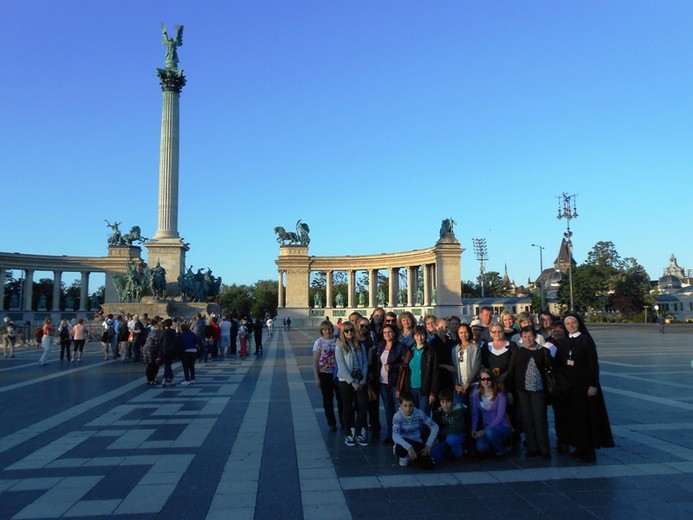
(249, 440)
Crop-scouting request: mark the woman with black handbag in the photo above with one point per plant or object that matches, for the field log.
(527, 374)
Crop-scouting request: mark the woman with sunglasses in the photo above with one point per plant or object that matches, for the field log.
(389, 358)
(324, 364)
(466, 361)
(352, 368)
(490, 428)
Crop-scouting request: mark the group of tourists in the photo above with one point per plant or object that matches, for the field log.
(157, 341)
(451, 389)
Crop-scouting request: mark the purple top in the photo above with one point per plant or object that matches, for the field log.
(492, 417)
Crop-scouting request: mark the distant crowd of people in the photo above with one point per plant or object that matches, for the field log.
(451, 389)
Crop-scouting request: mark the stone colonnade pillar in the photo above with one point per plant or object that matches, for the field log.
(393, 291)
(328, 289)
(351, 289)
(373, 288)
(84, 292)
(2, 289)
(57, 284)
(280, 290)
(28, 289)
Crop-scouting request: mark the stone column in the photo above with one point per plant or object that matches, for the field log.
(426, 284)
(328, 289)
(172, 82)
(411, 285)
(373, 288)
(394, 287)
(28, 289)
(2, 289)
(55, 304)
(351, 289)
(84, 292)
(166, 247)
(280, 290)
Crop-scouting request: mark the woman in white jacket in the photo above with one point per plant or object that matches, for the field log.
(352, 367)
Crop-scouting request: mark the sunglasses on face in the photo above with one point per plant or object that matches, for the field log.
(348, 331)
(485, 378)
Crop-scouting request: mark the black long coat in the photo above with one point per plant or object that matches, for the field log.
(589, 421)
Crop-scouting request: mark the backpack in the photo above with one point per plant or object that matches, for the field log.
(64, 333)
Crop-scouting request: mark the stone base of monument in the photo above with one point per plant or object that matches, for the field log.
(165, 309)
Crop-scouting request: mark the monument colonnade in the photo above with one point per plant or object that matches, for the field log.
(112, 265)
(439, 292)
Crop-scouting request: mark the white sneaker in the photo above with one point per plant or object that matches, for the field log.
(362, 440)
(185, 383)
(349, 441)
(404, 461)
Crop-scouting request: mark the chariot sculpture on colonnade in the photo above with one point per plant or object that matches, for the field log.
(300, 237)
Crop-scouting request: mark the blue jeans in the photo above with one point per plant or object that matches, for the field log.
(387, 394)
(452, 445)
(494, 439)
(421, 401)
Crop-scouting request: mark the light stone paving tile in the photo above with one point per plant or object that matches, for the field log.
(161, 422)
(195, 433)
(683, 467)
(389, 481)
(52, 451)
(180, 420)
(125, 423)
(109, 433)
(131, 440)
(67, 463)
(651, 398)
(653, 468)
(104, 461)
(155, 445)
(6, 484)
(140, 460)
(241, 460)
(318, 484)
(115, 414)
(325, 512)
(247, 513)
(59, 499)
(93, 508)
(33, 484)
(145, 499)
(167, 409)
(324, 501)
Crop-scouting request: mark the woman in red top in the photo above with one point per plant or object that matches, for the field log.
(46, 340)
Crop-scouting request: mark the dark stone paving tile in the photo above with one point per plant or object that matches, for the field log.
(12, 503)
(530, 488)
(117, 483)
(279, 489)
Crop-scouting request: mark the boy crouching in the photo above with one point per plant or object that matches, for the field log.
(407, 433)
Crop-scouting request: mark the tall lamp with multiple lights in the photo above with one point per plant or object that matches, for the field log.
(481, 251)
(568, 211)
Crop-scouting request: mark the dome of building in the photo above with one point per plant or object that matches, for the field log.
(669, 282)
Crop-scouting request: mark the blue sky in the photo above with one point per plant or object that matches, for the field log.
(370, 121)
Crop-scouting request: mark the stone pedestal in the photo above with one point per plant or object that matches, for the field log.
(171, 256)
(446, 297)
(128, 254)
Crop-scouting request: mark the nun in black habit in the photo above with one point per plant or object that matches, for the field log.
(589, 421)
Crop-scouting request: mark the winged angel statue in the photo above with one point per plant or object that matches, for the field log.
(171, 45)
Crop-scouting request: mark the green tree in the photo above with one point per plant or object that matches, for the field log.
(265, 295)
(236, 300)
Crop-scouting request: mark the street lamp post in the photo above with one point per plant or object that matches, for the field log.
(541, 276)
(481, 251)
(564, 211)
